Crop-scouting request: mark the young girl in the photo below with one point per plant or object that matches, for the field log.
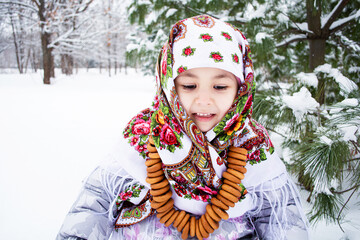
(195, 164)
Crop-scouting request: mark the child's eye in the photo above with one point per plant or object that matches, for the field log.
(189, 86)
(220, 87)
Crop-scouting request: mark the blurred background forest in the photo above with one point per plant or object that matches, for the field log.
(306, 57)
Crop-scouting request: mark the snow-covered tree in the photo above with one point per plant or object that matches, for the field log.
(306, 56)
(17, 28)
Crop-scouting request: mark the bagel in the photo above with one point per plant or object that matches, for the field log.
(155, 167)
(192, 226)
(172, 218)
(164, 197)
(185, 231)
(236, 173)
(206, 224)
(242, 151)
(151, 148)
(169, 204)
(237, 168)
(154, 155)
(234, 185)
(231, 177)
(224, 200)
(237, 156)
(218, 203)
(161, 184)
(231, 160)
(156, 174)
(224, 215)
(213, 224)
(151, 162)
(161, 191)
(212, 214)
(232, 190)
(228, 196)
(151, 141)
(153, 180)
(183, 222)
(160, 215)
(168, 214)
(156, 205)
(203, 232)
(197, 230)
(179, 218)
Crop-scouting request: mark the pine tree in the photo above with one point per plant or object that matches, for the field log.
(304, 51)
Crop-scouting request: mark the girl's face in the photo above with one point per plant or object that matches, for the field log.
(206, 94)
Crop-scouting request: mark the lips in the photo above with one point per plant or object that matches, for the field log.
(204, 116)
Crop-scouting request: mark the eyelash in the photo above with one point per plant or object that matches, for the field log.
(189, 86)
(217, 87)
(221, 87)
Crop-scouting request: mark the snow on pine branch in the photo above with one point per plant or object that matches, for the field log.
(325, 19)
(294, 38)
(260, 36)
(301, 103)
(170, 12)
(344, 20)
(345, 84)
(308, 79)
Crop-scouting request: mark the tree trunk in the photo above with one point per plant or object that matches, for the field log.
(317, 43)
(67, 64)
(48, 65)
(317, 58)
(17, 48)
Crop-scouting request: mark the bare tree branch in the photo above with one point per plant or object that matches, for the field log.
(20, 4)
(343, 207)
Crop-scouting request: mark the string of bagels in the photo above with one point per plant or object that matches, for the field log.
(216, 210)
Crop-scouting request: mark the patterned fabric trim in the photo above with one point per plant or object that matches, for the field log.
(136, 213)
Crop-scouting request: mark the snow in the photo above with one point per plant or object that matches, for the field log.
(260, 36)
(132, 46)
(297, 37)
(351, 102)
(301, 103)
(170, 12)
(344, 20)
(326, 18)
(326, 140)
(349, 133)
(308, 79)
(302, 26)
(52, 137)
(252, 13)
(345, 84)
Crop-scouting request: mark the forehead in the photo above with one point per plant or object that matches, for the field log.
(212, 73)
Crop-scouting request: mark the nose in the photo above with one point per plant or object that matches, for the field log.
(203, 98)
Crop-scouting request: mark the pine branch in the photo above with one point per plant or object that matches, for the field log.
(272, 130)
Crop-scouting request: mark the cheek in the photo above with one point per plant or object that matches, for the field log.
(225, 102)
(185, 101)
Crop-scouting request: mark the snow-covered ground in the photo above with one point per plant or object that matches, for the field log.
(51, 137)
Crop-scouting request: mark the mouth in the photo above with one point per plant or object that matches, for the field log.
(203, 116)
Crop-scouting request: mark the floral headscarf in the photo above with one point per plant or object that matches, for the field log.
(194, 161)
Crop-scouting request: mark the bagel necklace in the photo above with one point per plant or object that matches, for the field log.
(207, 223)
